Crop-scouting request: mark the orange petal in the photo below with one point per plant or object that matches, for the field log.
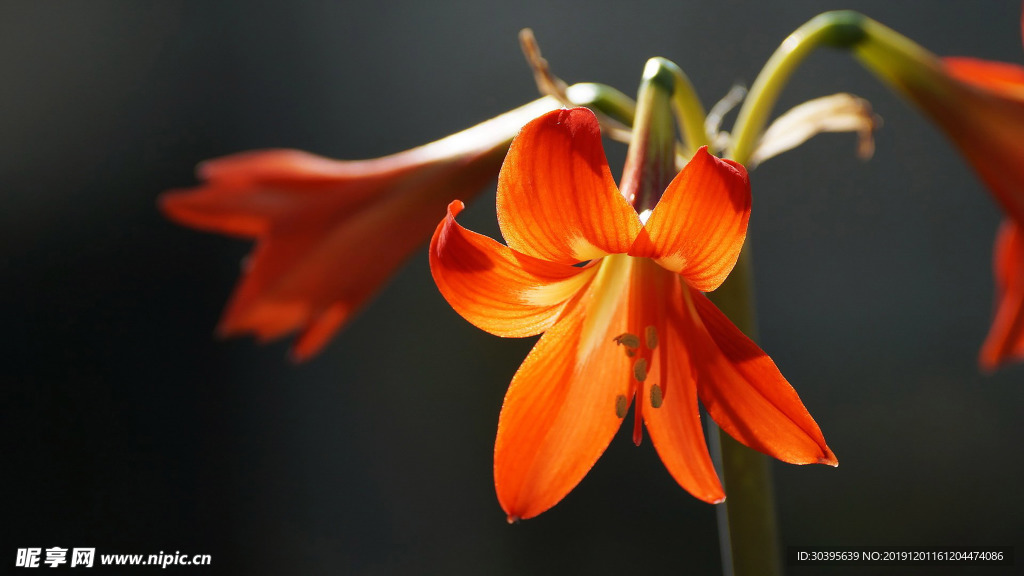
(557, 200)
(675, 426)
(286, 165)
(1005, 340)
(319, 331)
(1002, 77)
(698, 226)
(495, 288)
(258, 305)
(560, 411)
(983, 114)
(743, 390)
(329, 233)
(245, 193)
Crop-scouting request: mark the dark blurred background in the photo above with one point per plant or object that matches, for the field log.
(128, 427)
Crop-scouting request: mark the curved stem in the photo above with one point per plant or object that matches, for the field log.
(687, 107)
(685, 103)
(903, 64)
(747, 520)
(604, 99)
(840, 29)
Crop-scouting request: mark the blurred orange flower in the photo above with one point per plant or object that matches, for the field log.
(995, 147)
(1005, 339)
(330, 233)
(980, 106)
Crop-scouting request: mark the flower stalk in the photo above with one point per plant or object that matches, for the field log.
(604, 99)
(748, 527)
(747, 523)
(839, 29)
(688, 108)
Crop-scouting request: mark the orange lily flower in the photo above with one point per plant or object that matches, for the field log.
(980, 106)
(1002, 83)
(618, 296)
(330, 233)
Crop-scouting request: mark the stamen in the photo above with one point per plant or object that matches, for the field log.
(640, 370)
(628, 340)
(621, 405)
(651, 336)
(656, 396)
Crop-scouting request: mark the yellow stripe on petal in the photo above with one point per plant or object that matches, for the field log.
(584, 249)
(557, 292)
(608, 289)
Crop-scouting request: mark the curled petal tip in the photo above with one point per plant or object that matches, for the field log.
(829, 459)
(173, 205)
(296, 356)
(987, 362)
(712, 496)
(163, 200)
(224, 331)
(203, 169)
(456, 206)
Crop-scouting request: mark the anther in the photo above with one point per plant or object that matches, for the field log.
(621, 405)
(640, 370)
(628, 340)
(656, 396)
(651, 337)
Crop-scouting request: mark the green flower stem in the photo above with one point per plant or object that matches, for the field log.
(901, 63)
(604, 99)
(747, 525)
(839, 29)
(687, 107)
(747, 521)
(685, 102)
